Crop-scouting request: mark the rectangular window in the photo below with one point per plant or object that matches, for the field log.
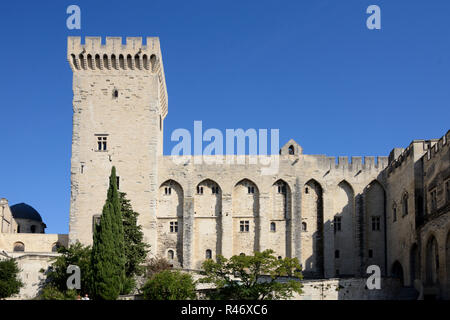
(394, 213)
(215, 190)
(199, 190)
(244, 226)
(375, 223)
(102, 142)
(118, 182)
(173, 226)
(251, 189)
(370, 253)
(167, 190)
(337, 224)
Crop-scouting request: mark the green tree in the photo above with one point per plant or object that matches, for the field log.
(10, 282)
(135, 248)
(108, 255)
(56, 275)
(254, 277)
(169, 285)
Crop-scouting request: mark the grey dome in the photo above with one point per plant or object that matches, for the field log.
(24, 211)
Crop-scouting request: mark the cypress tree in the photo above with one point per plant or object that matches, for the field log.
(108, 258)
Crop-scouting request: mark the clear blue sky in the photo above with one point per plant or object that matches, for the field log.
(310, 68)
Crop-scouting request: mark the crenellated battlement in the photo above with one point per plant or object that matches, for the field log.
(113, 57)
(435, 149)
(358, 163)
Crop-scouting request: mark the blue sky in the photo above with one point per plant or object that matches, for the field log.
(310, 68)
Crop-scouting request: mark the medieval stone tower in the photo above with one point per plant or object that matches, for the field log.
(119, 106)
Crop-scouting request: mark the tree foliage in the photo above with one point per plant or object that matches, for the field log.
(156, 265)
(169, 285)
(259, 277)
(56, 280)
(10, 282)
(135, 249)
(108, 258)
(52, 293)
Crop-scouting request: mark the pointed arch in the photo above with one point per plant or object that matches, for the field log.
(207, 220)
(372, 228)
(170, 219)
(414, 263)
(280, 214)
(344, 228)
(397, 271)
(245, 217)
(312, 242)
(431, 260)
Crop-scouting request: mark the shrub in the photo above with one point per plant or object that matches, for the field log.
(169, 285)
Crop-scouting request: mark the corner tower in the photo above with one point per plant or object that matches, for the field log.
(119, 106)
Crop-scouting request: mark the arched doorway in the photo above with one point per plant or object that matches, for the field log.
(432, 261)
(397, 272)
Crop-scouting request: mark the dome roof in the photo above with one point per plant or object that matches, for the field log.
(24, 211)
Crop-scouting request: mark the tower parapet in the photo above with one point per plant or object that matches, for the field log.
(113, 57)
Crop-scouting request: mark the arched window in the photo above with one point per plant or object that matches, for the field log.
(145, 61)
(97, 61)
(153, 62)
(405, 204)
(121, 62)
(55, 247)
(304, 226)
(137, 62)
(105, 62)
(291, 150)
(19, 247)
(129, 62)
(74, 62)
(273, 227)
(115, 93)
(89, 61)
(170, 254)
(82, 62)
(33, 229)
(113, 61)
(208, 254)
(242, 254)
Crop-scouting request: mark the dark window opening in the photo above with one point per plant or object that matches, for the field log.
(208, 254)
(337, 224)
(376, 223)
(173, 226)
(273, 227)
(244, 226)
